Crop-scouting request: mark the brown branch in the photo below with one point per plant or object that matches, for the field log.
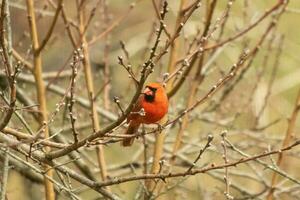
(4, 174)
(6, 44)
(177, 32)
(92, 14)
(207, 145)
(107, 48)
(24, 171)
(250, 27)
(25, 138)
(225, 157)
(90, 89)
(197, 79)
(51, 29)
(40, 89)
(189, 61)
(38, 155)
(61, 92)
(232, 72)
(199, 48)
(18, 57)
(255, 51)
(145, 72)
(74, 66)
(272, 78)
(286, 141)
(157, 13)
(59, 138)
(196, 171)
(68, 27)
(112, 26)
(265, 164)
(128, 68)
(159, 137)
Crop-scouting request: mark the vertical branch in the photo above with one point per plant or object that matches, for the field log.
(68, 27)
(6, 44)
(74, 65)
(195, 82)
(5, 170)
(157, 154)
(175, 45)
(159, 137)
(51, 29)
(287, 140)
(272, 78)
(90, 88)
(67, 23)
(198, 78)
(268, 30)
(225, 157)
(191, 58)
(41, 93)
(183, 16)
(106, 58)
(145, 154)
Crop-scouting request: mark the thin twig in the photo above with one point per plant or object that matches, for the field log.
(6, 53)
(196, 171)
(4, 177)
(226, 176)
(286, 141)
(208, 144)
(51, 29)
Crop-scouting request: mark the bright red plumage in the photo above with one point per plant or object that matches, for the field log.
(155, 103)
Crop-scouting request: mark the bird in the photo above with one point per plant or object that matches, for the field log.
(151, 107)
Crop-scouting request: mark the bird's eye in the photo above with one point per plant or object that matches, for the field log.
(152, 88)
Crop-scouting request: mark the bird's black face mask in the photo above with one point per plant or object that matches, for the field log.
(149, 93)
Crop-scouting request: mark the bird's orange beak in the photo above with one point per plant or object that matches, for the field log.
(147, 91)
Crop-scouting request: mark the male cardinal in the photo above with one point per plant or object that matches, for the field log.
(154, 102)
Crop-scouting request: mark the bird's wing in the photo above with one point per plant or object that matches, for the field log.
(137, 107)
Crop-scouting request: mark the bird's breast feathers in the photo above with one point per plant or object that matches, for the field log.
(154, 111)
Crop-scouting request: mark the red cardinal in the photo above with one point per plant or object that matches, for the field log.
(155, 103)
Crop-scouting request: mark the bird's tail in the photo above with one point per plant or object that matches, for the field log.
(132, 129)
